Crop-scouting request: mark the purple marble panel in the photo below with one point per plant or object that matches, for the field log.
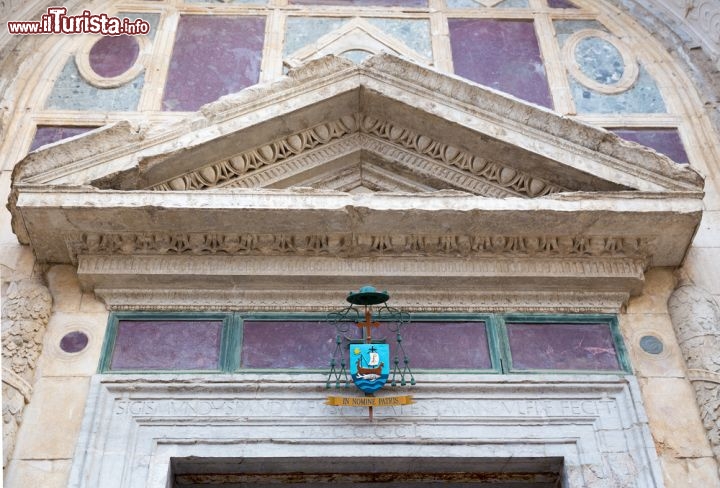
(287, 344)
(364, 3)
(440, 345)
(665, 141)
(167, 345)
(212, 56)
(502, 54)
(562, 346)
(561, 4)
(113, 55)
(73, 342)
(46, 134)
(310, 344)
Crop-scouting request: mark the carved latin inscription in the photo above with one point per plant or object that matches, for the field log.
(228, 407)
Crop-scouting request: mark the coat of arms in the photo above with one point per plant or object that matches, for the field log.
(369, 366)
(368, 361)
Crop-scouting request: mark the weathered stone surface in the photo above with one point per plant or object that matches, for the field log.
(669, 362)
(385, 88)
(65, 288)
(708, 234)
(594, 422)
(696, 317)
(51, 433)
(56, 362)
(45, 473)
(421, 130)
(25, 313)
(659, 284)
(681, 472)
(677, 435)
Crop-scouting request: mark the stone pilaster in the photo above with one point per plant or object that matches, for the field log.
(25, 314)
(696, 318)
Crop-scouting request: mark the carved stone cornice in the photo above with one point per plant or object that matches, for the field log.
(505, 176)
(353, 245)
(297, 301)
(665, 222)
(306, 282)
(326, 298)
(256, 229)
(276, 269)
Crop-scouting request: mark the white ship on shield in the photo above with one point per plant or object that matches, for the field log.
(372, 369)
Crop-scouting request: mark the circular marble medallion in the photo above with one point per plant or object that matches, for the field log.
(600, 61)
(74, 342)
(112, 61)
(651, 344)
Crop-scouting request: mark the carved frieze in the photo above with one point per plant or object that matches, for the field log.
(503, 175)
(222, 172)
(229, 171)
(25, 314)
(355, 245)
(696, 317)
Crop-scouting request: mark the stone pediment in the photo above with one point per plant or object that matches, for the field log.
(331, 107)
(339, 174)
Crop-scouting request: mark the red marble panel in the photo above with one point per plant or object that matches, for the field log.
(45, 134)
(443, 345)
(502, 54)
(665, 141)
(212, 56)
(167, 345)
(561, 4)
(74, 341)
(287, 344)
(364, 3)
(428, 345)
(562, 347)
(112, 56)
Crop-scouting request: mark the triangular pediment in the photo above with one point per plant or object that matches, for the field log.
(439, 131)
(341, 172)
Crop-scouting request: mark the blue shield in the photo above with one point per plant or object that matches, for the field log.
(369, 365)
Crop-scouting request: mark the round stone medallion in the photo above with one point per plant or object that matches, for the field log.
(110, 62)
(600, 61)
(74, 342)
(112, 56)
(651, 344)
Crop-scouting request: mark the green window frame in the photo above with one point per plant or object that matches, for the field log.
(230, 341)
(495, 329)
(578, 320)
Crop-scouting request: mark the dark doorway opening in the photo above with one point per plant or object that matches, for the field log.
(338, 472)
